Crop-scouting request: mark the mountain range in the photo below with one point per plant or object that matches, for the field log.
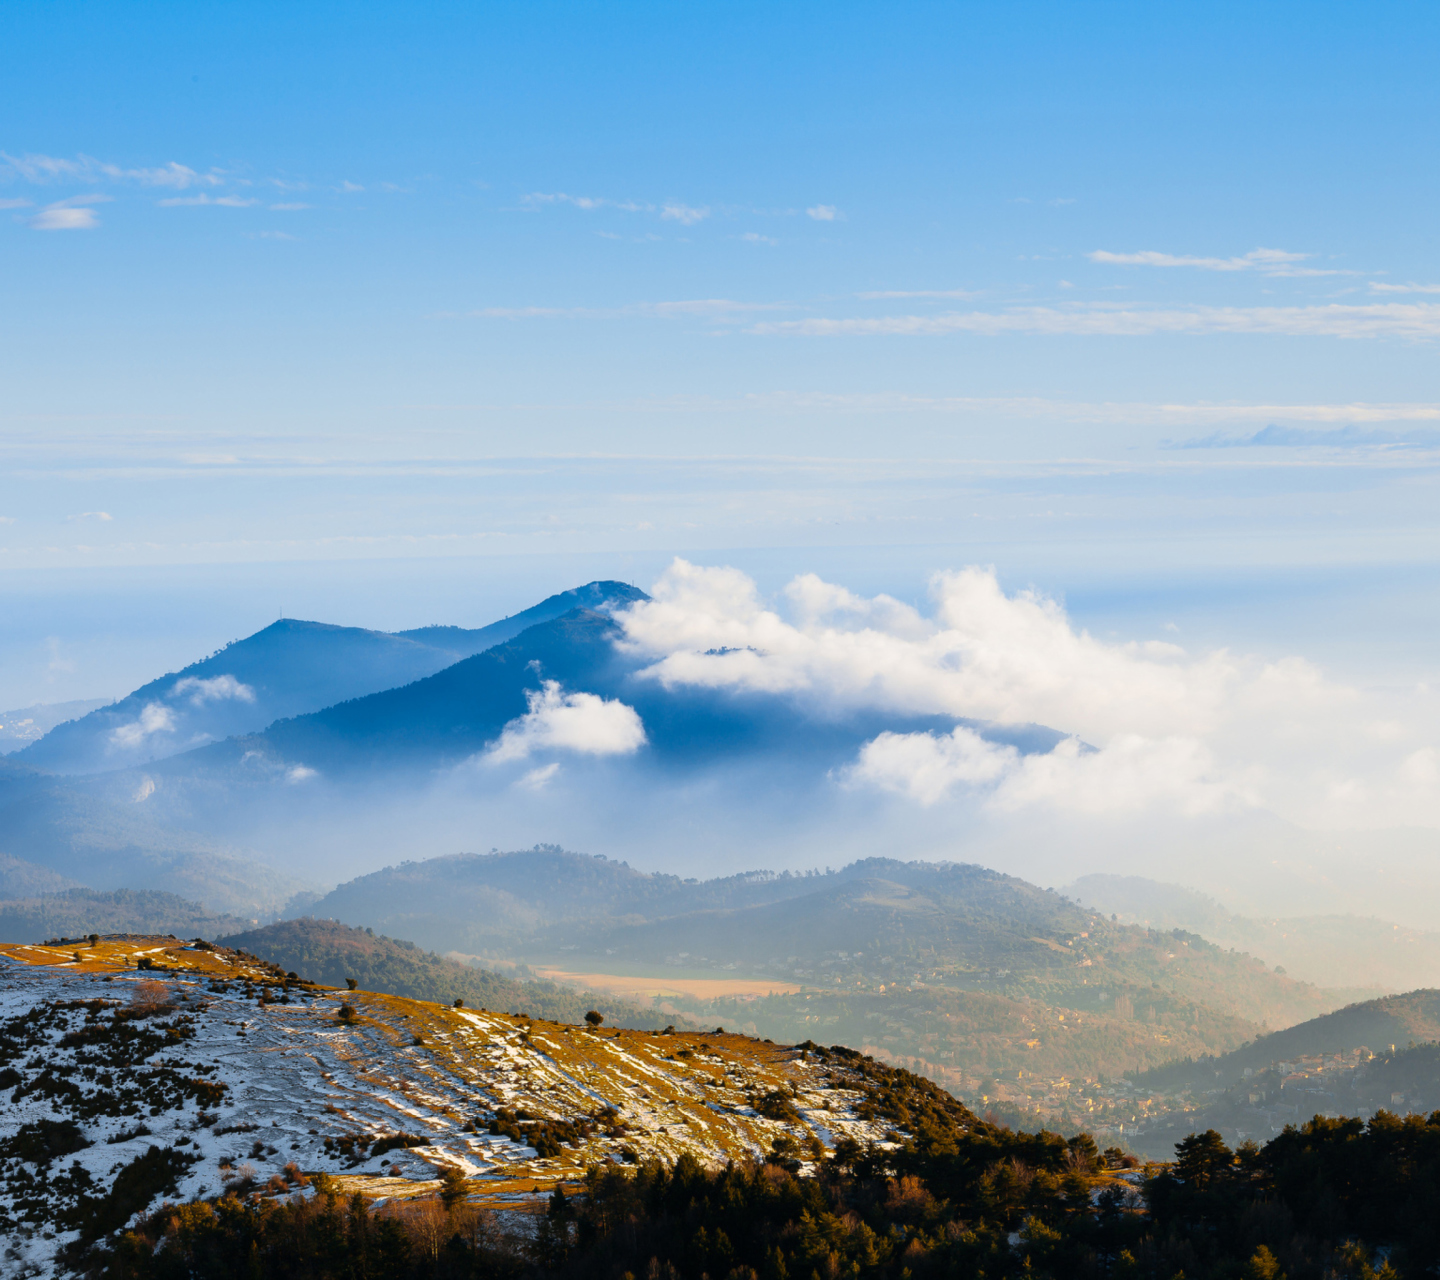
(289, 669)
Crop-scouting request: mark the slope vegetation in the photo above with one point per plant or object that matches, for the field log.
(331, 953)
(222, 1073)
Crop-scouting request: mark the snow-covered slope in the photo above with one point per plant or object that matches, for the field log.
(229, 1074)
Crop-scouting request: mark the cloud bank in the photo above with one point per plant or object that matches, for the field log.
(1152, 726)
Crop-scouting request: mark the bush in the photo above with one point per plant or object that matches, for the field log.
(149, 997)
(594, 1017)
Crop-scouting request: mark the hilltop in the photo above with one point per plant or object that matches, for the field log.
(238, 1077)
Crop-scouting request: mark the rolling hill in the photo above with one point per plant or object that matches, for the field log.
(955, 971)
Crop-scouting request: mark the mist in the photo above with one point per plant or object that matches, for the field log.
(734, 731)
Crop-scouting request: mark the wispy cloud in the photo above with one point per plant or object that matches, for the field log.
(1270, 262)
(1377, 286)
(585, 202)
(226, 202)
(823, 212)
(45, 169)
(701, 307)
(918, 293)
(291, 207)
(686, 215)
(1347, 437)
(91, 515)
(15, 204)
(754, 237)
(1372, 320)
(670, 210)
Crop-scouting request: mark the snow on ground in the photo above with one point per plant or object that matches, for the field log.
(243, 1075)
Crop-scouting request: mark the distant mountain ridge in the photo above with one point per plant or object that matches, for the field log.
(1377, 1025)
(876, 922)
(288, 669)
(1330, 950)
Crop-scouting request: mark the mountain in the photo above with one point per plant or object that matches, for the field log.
(22, 879)
(1382, 1024)
(452, 716)
(1329, 950)
(1378, 1056)
(56, 836)
(1001, 991)
(288, 669)
(29, 724)
(876, 921)
(600, 596)
(80, 912)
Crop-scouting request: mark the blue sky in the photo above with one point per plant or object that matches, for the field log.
(417, 313)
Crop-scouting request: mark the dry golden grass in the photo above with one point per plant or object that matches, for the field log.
(703, 988)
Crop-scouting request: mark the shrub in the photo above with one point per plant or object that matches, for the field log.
(149, 997)
(594, 1017)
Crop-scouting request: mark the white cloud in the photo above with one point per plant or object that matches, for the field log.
(40, 168)
(65, 218)
(153, 718)
(103, 516)
(1132, 774)
(538, 779)
(822, 212)
(686, 215)
(1378, 286)
(579, 722)
(72, 214)
(44, 169)
(174, 175)
(349, 188)
(226, 202)
(290, 206)
(918, 293)
(15, 204)
(1334, 320)
(585, 202)
(216, 689)
(300, 773)
(1271, 262)
(754, 237)
(144, 791)
(708, 307)
(1194, 733)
